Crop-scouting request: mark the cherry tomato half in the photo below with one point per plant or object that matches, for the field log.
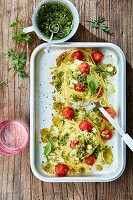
(73, 144)
(100, 94)
(79, 87)
(61, 169)
(85, 125)
(107, 134)
(68, 112)
(97, 56)
(84, 67)
(77, 55)
(91, 160)
(110, 112)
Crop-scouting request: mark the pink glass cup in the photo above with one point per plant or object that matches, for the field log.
(13, 137)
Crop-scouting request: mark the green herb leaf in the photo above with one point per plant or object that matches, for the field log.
(20, 35)
(9, 69)
(4, 84)
(48, 149)
(96, 26)
(17, 37)
(101, 19)
(92, 84)
(28, 38)
(22, 86)
(15, 23)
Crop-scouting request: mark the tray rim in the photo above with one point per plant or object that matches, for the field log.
(32, 114)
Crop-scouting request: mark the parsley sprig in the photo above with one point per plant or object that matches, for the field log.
(18, 60)
(98, 24)
(18, 65)
(20, 36)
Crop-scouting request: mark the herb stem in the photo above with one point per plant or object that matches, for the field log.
(8, 77)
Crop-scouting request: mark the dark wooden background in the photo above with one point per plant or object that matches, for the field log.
(17, 182)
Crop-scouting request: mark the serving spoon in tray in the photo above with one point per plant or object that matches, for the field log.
(125, 137)
(53, 31)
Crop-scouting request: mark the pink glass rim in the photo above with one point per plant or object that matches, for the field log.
(8, 151)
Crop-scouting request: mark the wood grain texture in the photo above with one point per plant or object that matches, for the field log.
(16, 179)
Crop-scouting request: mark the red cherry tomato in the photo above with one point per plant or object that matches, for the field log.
(79, 87)
(68, 112)
(85, 125)
(97, 56)
(107, 134)
(73, 144)
(77, 55)
(84, 67)
(61, 170)
(110, 112)
(91, 160)
(100, 94)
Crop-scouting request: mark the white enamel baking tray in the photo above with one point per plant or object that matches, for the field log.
(41, 101)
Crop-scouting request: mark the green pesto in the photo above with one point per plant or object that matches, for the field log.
(55, 13)
(99, 167)
(82, 78)
(96, 151)
(64, 139)
(59, 81)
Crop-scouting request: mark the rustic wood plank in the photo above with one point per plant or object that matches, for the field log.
(16, 178)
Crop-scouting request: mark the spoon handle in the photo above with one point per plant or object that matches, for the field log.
(47, 49)
(128, 140)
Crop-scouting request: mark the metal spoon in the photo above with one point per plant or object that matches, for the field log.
(56, 29)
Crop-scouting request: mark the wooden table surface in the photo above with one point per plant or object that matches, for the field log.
(17, 182)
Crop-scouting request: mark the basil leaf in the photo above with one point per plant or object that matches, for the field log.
(92, 85)
(48, 149)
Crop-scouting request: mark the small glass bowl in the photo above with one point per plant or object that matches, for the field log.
(13, 137)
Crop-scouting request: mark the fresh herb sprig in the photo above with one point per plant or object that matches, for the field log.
(98, 24)
(18, 65)
(20, 35)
